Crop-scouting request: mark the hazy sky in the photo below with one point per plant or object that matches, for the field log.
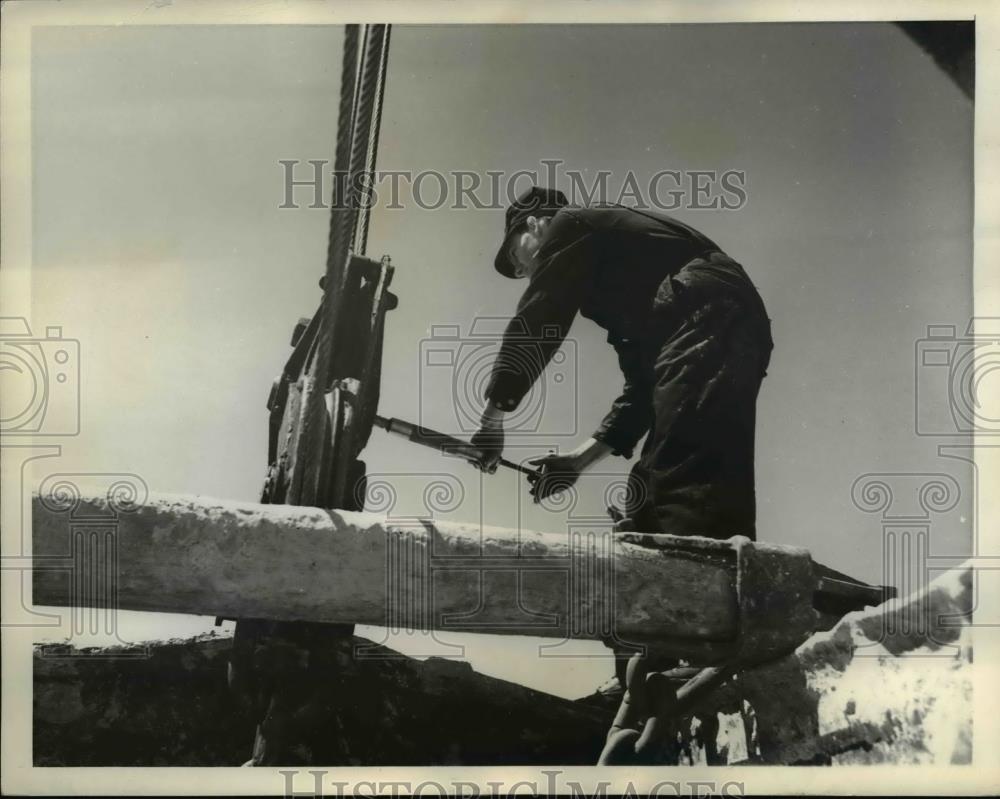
(159, 244)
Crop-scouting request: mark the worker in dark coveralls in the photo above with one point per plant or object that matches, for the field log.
(693, 342)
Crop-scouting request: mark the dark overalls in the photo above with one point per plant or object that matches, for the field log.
(693, 342)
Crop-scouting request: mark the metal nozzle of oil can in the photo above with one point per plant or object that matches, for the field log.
(443, 442)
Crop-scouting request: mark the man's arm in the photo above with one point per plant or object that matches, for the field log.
(630, 417)
(631, 413)
(543, 318)
(545, 311)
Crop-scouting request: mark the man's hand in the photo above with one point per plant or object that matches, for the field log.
(489, 438)
(556, 473)
(560, 472)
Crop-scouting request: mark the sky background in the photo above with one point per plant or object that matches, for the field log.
(158, 243)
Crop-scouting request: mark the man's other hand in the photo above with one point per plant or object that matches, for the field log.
(556, 473)
(559, 472)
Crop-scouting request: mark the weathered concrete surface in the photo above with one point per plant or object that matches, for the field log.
(198, 555)
(173, 708)
(895, 686)
(886, 685)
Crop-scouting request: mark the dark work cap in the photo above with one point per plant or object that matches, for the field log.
(536, 201)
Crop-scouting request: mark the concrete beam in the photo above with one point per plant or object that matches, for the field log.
(181, 554)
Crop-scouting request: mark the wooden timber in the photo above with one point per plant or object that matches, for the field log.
(195, 555)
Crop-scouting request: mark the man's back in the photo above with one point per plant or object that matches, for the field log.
(641, 233)
(693, 343)
(626, 256)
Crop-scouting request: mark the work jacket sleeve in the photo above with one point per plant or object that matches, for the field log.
(545, 312)
(631, 413)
